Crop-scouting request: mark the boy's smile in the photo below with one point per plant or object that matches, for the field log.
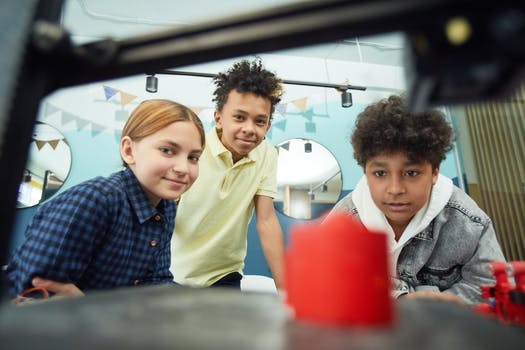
(399, 186)
(244, 121)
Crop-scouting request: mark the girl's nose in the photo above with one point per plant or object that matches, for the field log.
(180, 165)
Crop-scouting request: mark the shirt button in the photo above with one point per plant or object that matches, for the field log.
(153, 243)
(135, 282)
(157, 217)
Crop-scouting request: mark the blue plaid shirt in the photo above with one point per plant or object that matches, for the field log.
(100, 234)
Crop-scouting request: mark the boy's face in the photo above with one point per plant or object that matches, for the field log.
(399, 186)
(244, 121)
(166, 163)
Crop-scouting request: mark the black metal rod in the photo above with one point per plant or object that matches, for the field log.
(340, 87)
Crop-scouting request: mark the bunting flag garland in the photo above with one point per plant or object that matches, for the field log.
(80, 123)
(269, 133)
(109, 92)
(281, 108)
(309, 114)
(125, 97)
(310, 127)
(58, 115)
(42, 143)
(50, 109)
(67, 117)
(196, 110)
(300, 103)
(281, 125)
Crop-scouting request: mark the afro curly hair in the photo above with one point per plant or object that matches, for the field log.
(244, 76)
(388, 127)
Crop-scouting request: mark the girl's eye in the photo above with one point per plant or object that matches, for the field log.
(379, 173)
(412, 173)
(194, 158)
(238, 117)
(165, 150)
(261, 122)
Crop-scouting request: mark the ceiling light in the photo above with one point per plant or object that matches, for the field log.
(152, 83)
(308, 147)
(346, 99)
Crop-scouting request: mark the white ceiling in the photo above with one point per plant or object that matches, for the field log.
(90, 20)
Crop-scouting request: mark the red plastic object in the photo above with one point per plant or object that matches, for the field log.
(336, 272)
(506, 300)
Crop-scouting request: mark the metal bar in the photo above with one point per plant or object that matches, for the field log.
(340, 87)
(32, 77)
(283, 27)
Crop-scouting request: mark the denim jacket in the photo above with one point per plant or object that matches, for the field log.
(450, 254)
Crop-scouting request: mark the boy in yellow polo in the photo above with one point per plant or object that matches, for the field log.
(237, 176)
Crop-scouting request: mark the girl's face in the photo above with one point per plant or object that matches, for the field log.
(399, 187)
(166, 163)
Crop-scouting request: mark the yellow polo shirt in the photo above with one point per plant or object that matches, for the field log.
(209, 240)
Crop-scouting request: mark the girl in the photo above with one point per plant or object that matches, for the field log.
(116, 231)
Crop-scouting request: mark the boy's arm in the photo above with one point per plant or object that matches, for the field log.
(271, 237)
(474, 273)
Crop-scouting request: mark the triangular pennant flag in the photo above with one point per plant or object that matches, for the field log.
(281, 125)
(300, 103)
(53, 143)
(50, 109)
(96, 129)
(126, 98)
(310, 127)
(109, 92)
(269, 134)
(40, 144)
(121, 115)
(196, 110)
(81, 123)
(67, 117)
(309, 114)
(281, 108)
(286, 146)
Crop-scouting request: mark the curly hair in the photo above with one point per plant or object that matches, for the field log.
(388, 127)
(244, 76)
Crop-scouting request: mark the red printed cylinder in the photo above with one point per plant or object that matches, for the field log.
(336, 273)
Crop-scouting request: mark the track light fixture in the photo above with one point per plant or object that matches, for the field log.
(346, 96)
(346, 99)
(152, 83)
(307, 147)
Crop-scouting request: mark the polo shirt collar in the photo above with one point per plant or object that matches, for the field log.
(137, 196)
(219, 150)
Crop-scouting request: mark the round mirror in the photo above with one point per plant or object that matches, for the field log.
(47, 167)
(309, 179)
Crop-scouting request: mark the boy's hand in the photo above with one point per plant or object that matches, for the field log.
(427, 294)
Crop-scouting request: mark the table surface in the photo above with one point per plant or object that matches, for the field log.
(168, 317)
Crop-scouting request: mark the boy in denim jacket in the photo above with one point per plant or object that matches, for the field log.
(439, 239)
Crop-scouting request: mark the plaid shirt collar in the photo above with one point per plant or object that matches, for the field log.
(140, 203)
